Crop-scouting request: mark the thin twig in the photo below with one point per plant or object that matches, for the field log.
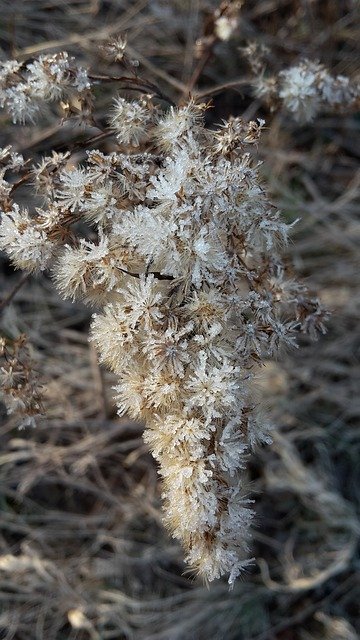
(201, 66)
(211, 38)
(135, 84)
(98, 375)
(22, 180)
(156, 274)
(4, 303)
(223, 87)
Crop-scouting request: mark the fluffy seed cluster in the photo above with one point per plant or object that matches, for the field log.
(308, 87)
(303, 89)
(26, 88)
(181, 262)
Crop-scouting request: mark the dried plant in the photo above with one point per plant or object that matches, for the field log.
(303, 89)
(20, 389)
(181, 255)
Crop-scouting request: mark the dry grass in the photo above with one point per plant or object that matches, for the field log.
(83, 552)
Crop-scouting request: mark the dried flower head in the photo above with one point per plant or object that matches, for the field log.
(115, 48)
(306, 88)
(129, 120)
(25, 89)
(19, 383)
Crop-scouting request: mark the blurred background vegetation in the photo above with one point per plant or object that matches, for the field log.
(83, 552)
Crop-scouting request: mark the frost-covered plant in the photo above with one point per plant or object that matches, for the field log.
(181, 262)
(26, 88)
(303, 89)
(308, 87)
